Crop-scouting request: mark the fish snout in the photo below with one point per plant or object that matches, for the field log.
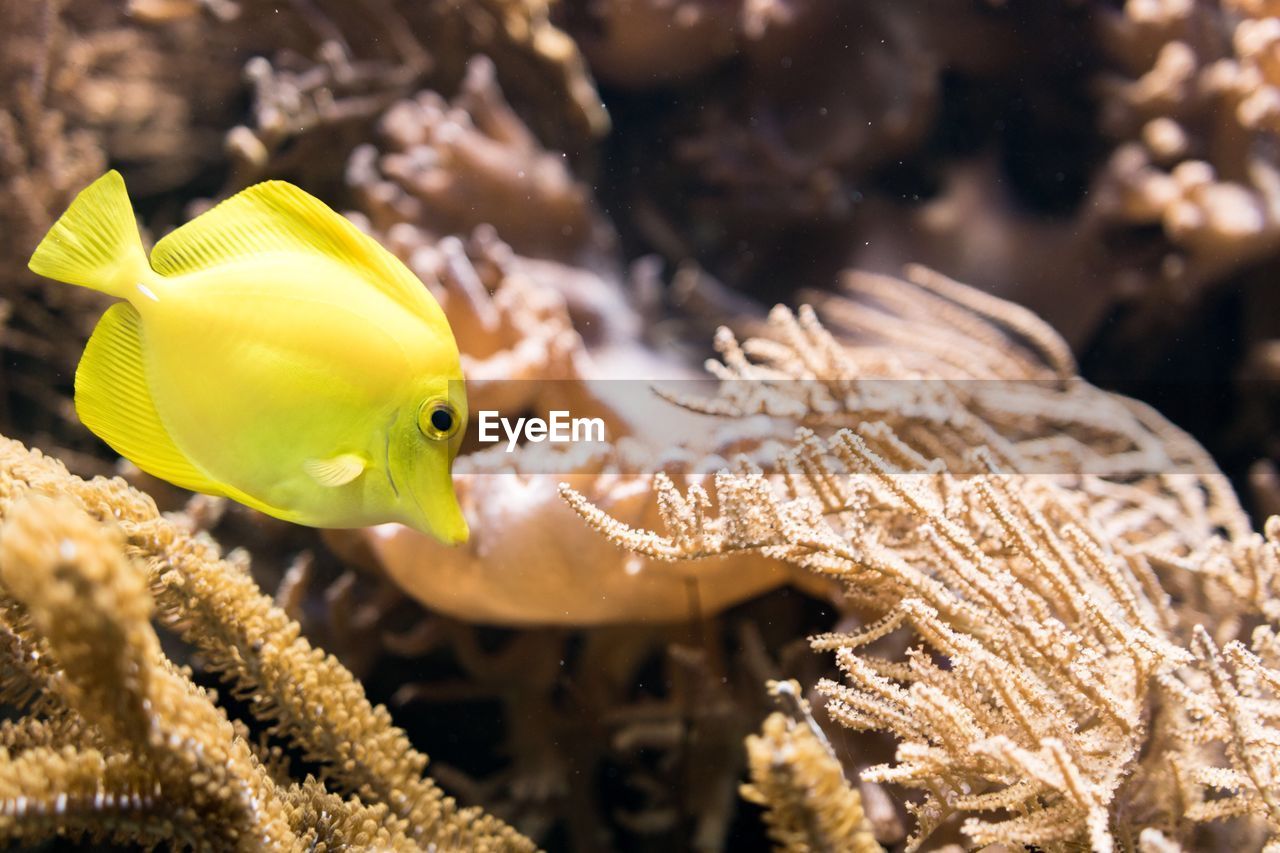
(438, 515)
(457, 536)
(452, 530)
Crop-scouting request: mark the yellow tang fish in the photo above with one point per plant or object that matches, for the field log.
(270, 352)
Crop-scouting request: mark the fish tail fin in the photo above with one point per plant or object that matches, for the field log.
(95, 244)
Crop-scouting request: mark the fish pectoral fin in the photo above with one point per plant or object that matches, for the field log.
(338, 471)
(276, 216)
(113, 399)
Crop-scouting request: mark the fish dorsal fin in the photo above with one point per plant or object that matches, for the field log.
(276, 216)
(113, 399)
(337, 471)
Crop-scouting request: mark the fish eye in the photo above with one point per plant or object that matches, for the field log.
(437, 420)
(442, 420)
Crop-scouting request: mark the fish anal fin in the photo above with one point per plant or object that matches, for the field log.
(114, 400)
(337, 471)
(276, 216)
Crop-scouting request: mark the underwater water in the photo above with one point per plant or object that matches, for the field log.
(638, 425)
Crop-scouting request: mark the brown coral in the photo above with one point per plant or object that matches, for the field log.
(1192, 108)
(80, 642)
(45, 158)
(449, 166)
(91, 607)
(294, 98)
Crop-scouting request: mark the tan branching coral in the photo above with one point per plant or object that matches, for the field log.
(1043, 685)
(1054, 647)
(796, 777)
(91, 607)
(1236, 714)
(948, 369)
(151, 756)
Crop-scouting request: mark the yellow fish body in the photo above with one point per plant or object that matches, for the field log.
(270, 352)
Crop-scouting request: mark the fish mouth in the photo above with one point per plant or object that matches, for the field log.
(452, 535)
(442, 517)
(456, 537)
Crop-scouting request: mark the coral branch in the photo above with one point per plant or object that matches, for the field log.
(93, 606)
(64, 565)
(1050, 690)
(47, 792)
(809, 804)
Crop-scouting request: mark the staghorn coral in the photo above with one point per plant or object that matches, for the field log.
(1030, 636)
(1233, 713)
(950, 369)
(91, 607)
(795, 775)
(84, 576)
